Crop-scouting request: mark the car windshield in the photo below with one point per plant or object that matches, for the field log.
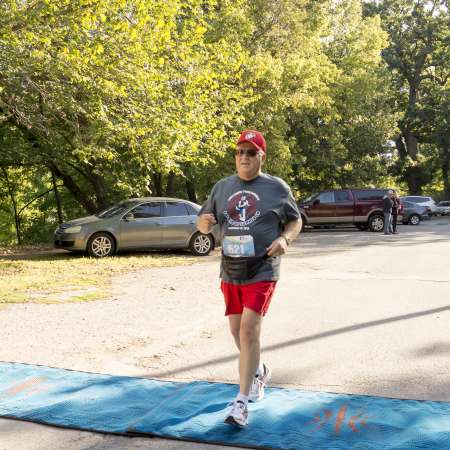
(115, 210)
(308, 199)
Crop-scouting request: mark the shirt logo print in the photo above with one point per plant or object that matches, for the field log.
(242, 208)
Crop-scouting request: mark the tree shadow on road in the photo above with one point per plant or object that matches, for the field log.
(304, 339)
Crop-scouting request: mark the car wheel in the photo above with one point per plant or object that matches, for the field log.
(376, 223)
(101, 245)
(201, 244)
(414, 219)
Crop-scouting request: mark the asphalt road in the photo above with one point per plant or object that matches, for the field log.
(354, 312)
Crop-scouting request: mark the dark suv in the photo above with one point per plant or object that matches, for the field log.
(360, 207)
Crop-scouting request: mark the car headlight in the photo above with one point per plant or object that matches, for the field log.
(71, 230)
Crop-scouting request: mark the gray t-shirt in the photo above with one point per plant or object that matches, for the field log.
(253, 213)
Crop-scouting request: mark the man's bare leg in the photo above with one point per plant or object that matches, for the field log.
(248, 324)
(235, 328)
(250, 348)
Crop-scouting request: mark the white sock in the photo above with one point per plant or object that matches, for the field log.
(260, 369)
(242, 398)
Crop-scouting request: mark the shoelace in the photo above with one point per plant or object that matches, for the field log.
(258, 380)
(233, 402)
(239, 405)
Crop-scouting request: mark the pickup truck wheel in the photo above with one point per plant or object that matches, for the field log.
(376, 223)
(414, 219)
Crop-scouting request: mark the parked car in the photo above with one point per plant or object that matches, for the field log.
(413, 213)
(137, 223)
(443, 208)
(362, 208)
(422, 201)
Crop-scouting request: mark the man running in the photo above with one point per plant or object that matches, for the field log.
(258, 219)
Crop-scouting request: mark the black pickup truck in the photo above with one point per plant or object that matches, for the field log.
(362, 208)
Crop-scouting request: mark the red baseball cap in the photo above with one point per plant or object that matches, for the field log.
(255, 138)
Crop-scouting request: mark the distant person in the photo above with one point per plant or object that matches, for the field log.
(387, 211)
(395, 210)
(258, 218)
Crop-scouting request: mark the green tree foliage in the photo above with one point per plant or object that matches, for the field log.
(418, 58)
(106, 91)
(340, 136)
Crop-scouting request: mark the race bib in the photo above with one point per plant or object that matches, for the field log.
(238, 246)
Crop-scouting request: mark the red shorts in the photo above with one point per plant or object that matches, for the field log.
(255, 296)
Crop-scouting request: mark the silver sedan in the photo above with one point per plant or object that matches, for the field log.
(138, 224)
(443, 208)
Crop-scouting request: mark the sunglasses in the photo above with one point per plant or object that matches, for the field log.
(250, 152)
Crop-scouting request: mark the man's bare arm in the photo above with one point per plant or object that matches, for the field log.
(279, 246)
(292, 229)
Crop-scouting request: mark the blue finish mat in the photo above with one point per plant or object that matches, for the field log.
(285, 419)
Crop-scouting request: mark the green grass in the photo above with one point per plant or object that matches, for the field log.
(36, 276)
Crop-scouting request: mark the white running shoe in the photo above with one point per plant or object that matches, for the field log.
(238, 414)
(258, 385)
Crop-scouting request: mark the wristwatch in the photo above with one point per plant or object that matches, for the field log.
(288, 241)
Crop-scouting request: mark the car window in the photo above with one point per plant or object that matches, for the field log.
(176, 209)
(326, 197)
(115, 210)
(310, 198)
(370, 194)
(342, 196)
(417, 199)
(192, 211)
(147, 210)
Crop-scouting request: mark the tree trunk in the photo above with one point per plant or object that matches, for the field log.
(413, 178)
(190, 189)
(190, 183)
(13, 200)
(412, 147)
(80, 196)
(100, 190)
(57, 198)
(157, 183)
(411, 144)
(402, 153)
(445, 172)
(170, 188)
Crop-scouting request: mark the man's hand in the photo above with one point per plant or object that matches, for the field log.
(205, 222)
(278, 247)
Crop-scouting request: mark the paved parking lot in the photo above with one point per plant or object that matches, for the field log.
(355, 312)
